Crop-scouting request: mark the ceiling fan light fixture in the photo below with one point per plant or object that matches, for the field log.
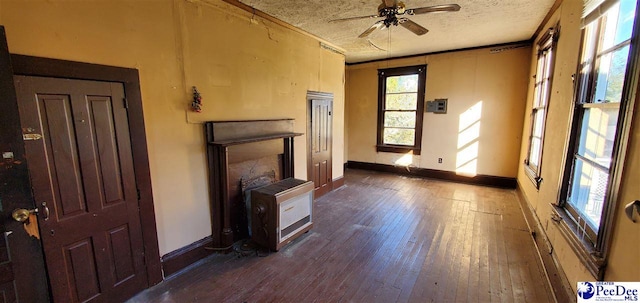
(401, 8)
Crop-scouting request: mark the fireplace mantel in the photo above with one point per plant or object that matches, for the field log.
(237, 142)
(231, 142)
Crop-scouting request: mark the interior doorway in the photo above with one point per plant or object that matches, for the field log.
(319, 141)
(29, 282)
(82, 178)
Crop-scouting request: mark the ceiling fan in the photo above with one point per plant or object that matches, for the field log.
(391, 9)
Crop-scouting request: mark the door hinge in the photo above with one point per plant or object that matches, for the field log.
(126, 103)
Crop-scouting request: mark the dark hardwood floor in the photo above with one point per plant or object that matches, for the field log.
(383, 238)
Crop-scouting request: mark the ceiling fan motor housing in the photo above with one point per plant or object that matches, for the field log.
(389, 15)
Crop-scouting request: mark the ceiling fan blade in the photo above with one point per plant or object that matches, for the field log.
(433, 9)
(370, 30)
(354, 18)
(412, 26)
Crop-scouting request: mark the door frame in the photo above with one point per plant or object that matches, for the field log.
(45, 67)
(25, 267)
(313, 95)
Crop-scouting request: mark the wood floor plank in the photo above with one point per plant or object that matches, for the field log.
(382, 238)
(484, 275)
(374, 257)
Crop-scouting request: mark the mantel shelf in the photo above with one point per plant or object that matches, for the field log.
(230, 142)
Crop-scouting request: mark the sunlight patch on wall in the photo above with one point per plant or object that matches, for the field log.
(470, 116)
(467, 160)
(468, 145)
(469, 135)
(405, 160)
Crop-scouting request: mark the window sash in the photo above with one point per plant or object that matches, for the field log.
(388, 111)
(593, 52)
(541, 96)
(596, 239)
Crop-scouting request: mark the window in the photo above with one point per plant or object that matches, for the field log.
(541, 94)
(599, 124)
(400, 108)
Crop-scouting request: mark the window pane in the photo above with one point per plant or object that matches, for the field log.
(400, 119)
(610, 27)
(402, 84)
(625, 20)
(588, 189)
(534, 154)
(588, 50)
(598, 132)
(537, 94)
(610, 77)
(398, 136)
(402, 101)
(537, 123)
(619, 23)
(547, 63)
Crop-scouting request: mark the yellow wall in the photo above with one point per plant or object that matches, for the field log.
(625, 253)
(478, 83)
(244, 67)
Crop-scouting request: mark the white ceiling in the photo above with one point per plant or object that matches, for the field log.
(478, 23)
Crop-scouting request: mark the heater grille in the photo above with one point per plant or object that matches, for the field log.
(293, 227)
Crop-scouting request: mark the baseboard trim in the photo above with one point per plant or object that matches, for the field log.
(556, 278)
(182, 257)
(494, 181)
(337, 182)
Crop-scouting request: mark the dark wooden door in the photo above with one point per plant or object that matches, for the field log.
(320, 140)
(22, 274)
(82, 176)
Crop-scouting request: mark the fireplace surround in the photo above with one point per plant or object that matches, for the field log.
(240, 152)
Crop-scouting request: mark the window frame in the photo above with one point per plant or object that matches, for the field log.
(546, 48)
(383, 74)
(593, 252)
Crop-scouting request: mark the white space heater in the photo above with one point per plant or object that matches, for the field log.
(281, 212)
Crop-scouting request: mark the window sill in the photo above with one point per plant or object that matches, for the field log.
(533, 176)
(582, 247)
(397, 149)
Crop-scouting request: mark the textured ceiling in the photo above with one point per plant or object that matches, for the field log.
(478, 23)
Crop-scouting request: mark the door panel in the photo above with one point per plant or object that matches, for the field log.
(120, 244)
(22, 273)
(82, 169)
(81, 269)
(321, 138)
(55, 116)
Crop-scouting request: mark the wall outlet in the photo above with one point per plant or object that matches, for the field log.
(439, 160)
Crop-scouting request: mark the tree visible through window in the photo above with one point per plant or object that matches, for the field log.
(400, 105)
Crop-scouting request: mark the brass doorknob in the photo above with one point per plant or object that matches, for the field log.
(21, 214)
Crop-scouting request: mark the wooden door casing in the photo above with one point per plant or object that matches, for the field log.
(46, 67)
(320, 141)
(82, 168)
(22, 274)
